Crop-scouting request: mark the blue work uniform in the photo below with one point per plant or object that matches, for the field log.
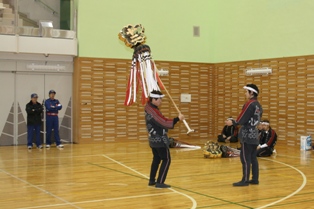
(52, 120)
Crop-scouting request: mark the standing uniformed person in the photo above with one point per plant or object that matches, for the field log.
(34, 110)
(157, 127)
(249, 118)
(52, 121)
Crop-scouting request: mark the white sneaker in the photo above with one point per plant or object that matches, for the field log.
(47, 145)
(60, 146)
(29, 147)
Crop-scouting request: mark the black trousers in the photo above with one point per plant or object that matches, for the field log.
(160, 154)
(264, 152)
(248, 158)
(222, 139)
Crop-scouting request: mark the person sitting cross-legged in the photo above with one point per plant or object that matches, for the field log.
(268, 140)
(229, 133)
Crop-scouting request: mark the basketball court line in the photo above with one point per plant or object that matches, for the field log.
(123, 153)
(292, 203)
(43, 190)
(197, 193)
(267, 205)
(293, 193)
(295, 157)
(269, 198)
(76, 156)
(270, 204)
(36, 158)
(230, 172)
(101, 200)
(194, 203)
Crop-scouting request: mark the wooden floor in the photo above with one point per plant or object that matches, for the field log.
(114, 175)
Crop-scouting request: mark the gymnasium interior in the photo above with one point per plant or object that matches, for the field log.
(209, 50)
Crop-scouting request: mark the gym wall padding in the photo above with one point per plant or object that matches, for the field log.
(287, 97)
(99, 93)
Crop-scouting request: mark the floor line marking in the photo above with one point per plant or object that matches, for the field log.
(101, 200)
(43, 190)
(77, 156)
(293, 193)
(288, 156)
(194, 203)
(37, 158)
(187, 190)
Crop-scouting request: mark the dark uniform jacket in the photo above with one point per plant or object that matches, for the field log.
(249, 118)
(34, 113)
(157, 126)
(230, 131)
(269, 138)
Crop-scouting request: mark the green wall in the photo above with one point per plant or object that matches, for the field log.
(168, 26)
(259, 29)
(231, 30)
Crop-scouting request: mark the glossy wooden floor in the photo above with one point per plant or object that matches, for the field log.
(114, 175)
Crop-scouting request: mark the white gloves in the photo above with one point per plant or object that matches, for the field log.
(263, 145)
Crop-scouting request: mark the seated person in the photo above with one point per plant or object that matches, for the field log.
(268, 140)
(229, 133)
(260, 129)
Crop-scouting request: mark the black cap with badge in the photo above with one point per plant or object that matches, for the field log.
(34, 95)
(52, 92)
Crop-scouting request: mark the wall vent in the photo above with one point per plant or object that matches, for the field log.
(196, 31)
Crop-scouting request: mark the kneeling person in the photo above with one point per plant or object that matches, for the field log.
(229, 133)
(267, 141)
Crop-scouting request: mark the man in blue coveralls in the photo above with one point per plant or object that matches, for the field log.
(52, 121)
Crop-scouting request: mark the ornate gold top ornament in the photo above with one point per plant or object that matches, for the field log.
(132, 35)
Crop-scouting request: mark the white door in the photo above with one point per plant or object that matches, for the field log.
(62, 84)
(7, 132)
(27, 84)
(19, 87)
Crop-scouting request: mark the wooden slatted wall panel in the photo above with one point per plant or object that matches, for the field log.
(287, 95)
(99, 91)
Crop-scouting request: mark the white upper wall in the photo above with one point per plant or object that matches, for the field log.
(38, 45)
(36, 11)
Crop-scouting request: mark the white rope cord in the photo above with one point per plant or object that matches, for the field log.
(131, 80)
(147, 74)
(150, 76)
(143, 81)
(134, 86)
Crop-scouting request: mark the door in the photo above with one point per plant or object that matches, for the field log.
(27, 84)
(7, 95)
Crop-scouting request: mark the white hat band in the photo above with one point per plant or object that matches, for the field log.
(156, 95)
(265, 123)
(251, 89)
